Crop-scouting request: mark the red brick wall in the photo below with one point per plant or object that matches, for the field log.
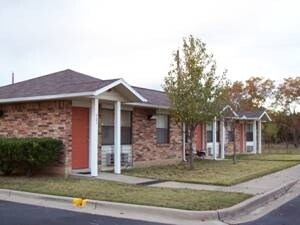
(40, 119)
(145, 148)
(239, 140)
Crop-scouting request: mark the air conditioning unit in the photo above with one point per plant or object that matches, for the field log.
(210, 150)
(249, 148)
(124, 159)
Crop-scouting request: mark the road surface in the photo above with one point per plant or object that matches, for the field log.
(287, 214)
(12, 213)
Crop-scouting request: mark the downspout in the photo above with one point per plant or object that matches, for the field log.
(183, 142)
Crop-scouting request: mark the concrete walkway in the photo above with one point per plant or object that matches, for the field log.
(256, 186)
(119, 178)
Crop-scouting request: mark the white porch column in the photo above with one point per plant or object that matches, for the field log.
(259, 136)
(214, 130)
(254, 137)
(222, 139)
(117, 139)
(94, 137)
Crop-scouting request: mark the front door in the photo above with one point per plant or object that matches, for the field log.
(80, 138)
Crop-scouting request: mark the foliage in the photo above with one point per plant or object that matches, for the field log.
(194, 89)
(270, 131)
(251, 94)
(27, 154)
(288, 100)
(288, 95)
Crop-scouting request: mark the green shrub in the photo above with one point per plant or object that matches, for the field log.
(28, 154)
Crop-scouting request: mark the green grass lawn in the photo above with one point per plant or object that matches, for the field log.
(269, 157)
(213, 172)
(125, 193)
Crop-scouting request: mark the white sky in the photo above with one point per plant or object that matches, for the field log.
(135, 39)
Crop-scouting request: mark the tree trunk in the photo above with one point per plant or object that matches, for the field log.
(191, 130)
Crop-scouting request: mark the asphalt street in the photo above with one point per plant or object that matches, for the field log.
(287, 214)
(21, 214)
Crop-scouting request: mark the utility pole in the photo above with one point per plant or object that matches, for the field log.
(12, 78)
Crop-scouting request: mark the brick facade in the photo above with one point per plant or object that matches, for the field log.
(54, 119)
(41, 119)
(239, 140)
(145, 148)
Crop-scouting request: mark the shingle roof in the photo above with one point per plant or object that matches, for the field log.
(63, 82)
(69, 81)
(154, 97)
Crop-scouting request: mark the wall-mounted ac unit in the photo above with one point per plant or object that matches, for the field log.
(124, 159)
(249, 148)
(210, 150)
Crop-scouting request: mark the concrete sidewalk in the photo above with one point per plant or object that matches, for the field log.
(256, 186)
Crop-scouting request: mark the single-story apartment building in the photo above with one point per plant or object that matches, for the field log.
(110, 125)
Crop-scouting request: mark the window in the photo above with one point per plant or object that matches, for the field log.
(162, 129)
(249, 132)
(107, 119)
(209, 133)
(126, 133)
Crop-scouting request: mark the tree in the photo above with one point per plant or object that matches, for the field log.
(270, 131)
(288, 100)
(194, 89)
(235, 94)
(251, 94)
(258, 90)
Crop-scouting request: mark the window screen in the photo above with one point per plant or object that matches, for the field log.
(107, 120)
(162, 129)
(249, 132)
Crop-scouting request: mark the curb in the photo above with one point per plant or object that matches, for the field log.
(238, 210)
(253, 203)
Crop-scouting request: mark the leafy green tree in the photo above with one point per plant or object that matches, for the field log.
(252, 94)
(288, 100)
(194, 89)
(270, 131)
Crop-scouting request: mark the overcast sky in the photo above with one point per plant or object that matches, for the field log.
(135, 39)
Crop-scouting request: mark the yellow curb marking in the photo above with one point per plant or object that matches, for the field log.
(79, 202)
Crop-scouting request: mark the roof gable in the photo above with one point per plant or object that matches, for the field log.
(63, 82)
(66, 83)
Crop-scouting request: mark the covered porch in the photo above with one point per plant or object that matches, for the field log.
(96, 129)
(239, 130)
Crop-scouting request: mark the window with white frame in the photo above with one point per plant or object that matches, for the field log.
(126, 132)
(107, 122)
(249, 132)
(162, 129)
(209, 132)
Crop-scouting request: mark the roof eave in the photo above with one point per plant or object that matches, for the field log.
(46, 97)
(148, 105)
